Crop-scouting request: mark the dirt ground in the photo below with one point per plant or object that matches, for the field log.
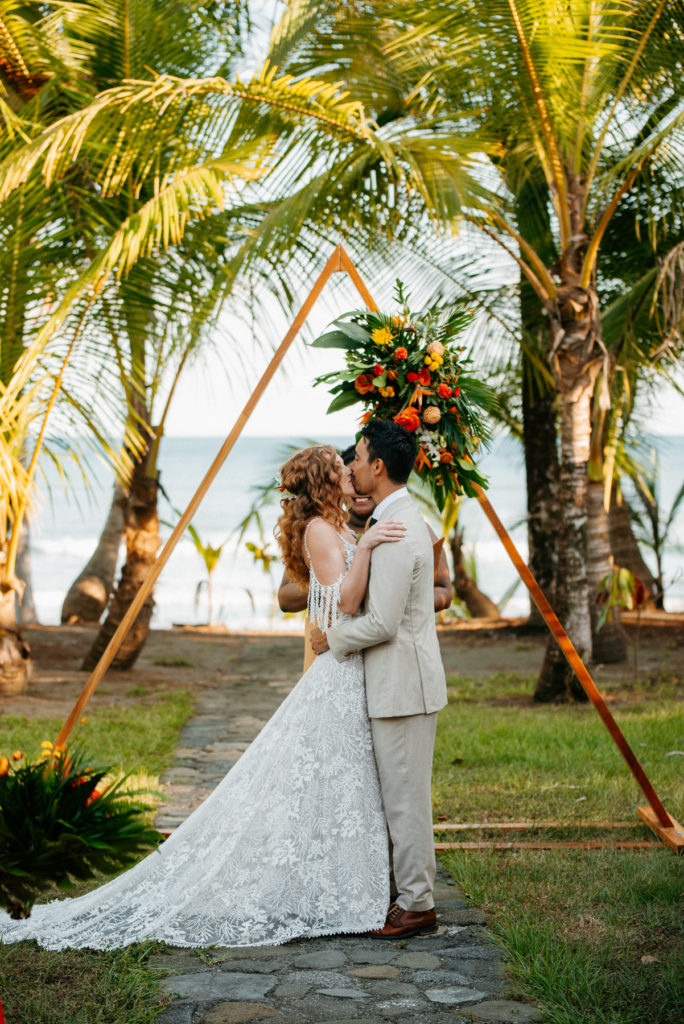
(201, 658)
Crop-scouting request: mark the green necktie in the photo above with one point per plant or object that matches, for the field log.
(372, 521)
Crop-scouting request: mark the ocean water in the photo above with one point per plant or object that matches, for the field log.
(68, 521)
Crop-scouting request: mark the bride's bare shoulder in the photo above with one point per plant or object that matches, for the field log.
(320, 531)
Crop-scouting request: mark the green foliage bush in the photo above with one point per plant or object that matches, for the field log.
(61, 819)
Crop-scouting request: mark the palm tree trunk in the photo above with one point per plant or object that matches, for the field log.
(142, 543)
(477, 603)
(16, 665)
(88, 595)
(541, 471)
(609, 644)
(26, 609)
(576, 359)
(626, 553)
(540, 436)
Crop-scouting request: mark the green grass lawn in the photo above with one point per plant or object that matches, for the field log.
(592, 936)
(83, 986)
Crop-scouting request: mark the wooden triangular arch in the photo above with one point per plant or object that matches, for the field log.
(654, 815)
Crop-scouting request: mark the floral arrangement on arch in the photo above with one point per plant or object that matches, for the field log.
(409, 367)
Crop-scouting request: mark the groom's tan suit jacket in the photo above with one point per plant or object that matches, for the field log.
(396, 632)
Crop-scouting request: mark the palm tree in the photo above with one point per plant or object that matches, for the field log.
(191, 145)
(586, 100)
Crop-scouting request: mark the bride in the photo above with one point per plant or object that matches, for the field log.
(293, 841)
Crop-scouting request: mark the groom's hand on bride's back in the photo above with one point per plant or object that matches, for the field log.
(318, 641)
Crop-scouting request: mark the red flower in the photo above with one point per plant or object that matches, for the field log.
(364, 384)
(424, 377)
(444, 391)
(401, 353)
(457, 392)
(378, 370)
(392, 375)
(412, 377)
(408, 418)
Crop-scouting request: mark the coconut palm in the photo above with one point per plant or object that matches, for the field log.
(583, 98)
(174, 151)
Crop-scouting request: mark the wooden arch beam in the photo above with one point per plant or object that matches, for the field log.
(654, 815)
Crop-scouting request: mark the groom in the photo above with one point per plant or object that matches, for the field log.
(405, 684)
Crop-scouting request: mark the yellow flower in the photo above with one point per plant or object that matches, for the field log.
(381, 335)
(387, 392)
(46, 745)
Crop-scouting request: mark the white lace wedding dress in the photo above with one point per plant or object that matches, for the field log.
(291, 843)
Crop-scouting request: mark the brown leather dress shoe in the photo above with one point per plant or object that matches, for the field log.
(401, 923)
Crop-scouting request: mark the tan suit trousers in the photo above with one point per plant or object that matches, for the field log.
(403, 752)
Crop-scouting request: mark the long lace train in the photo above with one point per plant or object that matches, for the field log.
(292, 842)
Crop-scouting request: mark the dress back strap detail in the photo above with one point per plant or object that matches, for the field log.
(323, 607)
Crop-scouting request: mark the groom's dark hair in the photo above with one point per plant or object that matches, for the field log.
(394, 444)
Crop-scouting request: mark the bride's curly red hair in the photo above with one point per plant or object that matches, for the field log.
(310, 476)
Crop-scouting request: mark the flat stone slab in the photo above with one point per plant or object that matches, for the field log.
(454, 995)
(504, 1011)
(442, 978)
(250, 966)
(238, 1013)
(343, 993)
(394, 990)
(321, 960)
(372, 956)
(291, 990)
(424, 961)
(488, 952)
(376, 971)
(214, 985)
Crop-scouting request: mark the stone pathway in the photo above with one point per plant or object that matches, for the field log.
(456, 975)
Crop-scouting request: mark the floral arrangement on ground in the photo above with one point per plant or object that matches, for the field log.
(60, 819)
(410, 368)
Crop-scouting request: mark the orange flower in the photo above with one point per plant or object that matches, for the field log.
(95, 795)
(4, 765)
(364, 384)
(408, 418)
(401, 353)
(17, 755)
(422, 461)
(424, 377)
(444, 391)
(366, 416)
(84, 719)
(445, 457)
